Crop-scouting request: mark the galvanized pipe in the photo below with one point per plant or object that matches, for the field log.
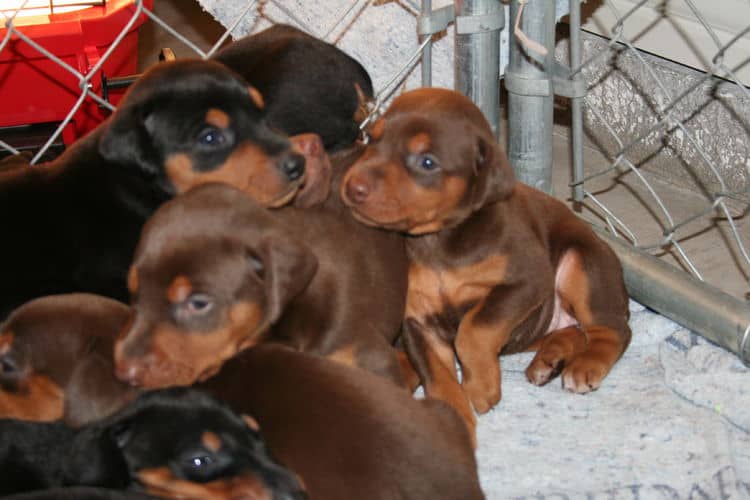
(427, 51)
(530, 95)
(688, 301)
(477, 57)
(576, 103)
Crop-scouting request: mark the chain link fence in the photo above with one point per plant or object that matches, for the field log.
(686, 128)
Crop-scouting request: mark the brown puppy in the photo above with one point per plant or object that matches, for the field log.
(215, 273)
(56, 359)
(347, 433)
(496, 266)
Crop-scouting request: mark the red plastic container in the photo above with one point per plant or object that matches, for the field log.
(34, 89)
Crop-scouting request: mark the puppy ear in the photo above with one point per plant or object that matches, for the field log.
(495, 178)
(289, 267)
(125, 140)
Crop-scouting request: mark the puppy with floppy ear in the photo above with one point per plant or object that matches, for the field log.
(496, 266)
(215, 273)
(212, 272)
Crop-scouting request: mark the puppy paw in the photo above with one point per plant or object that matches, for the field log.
(583, 375)
(483, 393)
(544, 367)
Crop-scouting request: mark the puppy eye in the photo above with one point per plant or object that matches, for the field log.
(198, 303)
(256, 265)
(425, 162)
(201, 461)
(211, 137)
(8, 366)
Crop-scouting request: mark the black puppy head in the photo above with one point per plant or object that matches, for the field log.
(212, 271)
(431, 162)
(191, 122)
(180, 443)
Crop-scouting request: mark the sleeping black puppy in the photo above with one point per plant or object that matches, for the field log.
(175, 443)
(308, 85)
(72, 225)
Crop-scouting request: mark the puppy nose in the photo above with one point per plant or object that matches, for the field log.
(357, 191)
(293, 166)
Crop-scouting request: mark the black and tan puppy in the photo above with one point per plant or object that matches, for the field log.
(177, 443)
(56, 359)
(496, 266)
(308, 85)
(72, 225)
(215, 273)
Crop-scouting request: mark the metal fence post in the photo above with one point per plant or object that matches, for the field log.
(477, 55)
(427, 51)
(528, 80)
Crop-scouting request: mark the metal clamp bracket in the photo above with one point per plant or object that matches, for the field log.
(519, 85)
(466, 25)
(566, 85)
(436, 21)
(560, 84)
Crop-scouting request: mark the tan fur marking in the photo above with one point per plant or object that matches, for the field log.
(248, 168)
(179, 290)
(133, 280)
(197, 355)
(431, 289)
(419, 143)
(38, 399)
(217, 118)
(345, 355)
(397, 201)
(211, 441)
(6, 342)
(572, 284)
(377, 129)
(256, 97)
(251, 422)
(363, 105)
(159, 481)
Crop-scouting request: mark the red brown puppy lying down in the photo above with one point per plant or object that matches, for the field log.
(56, 359)
(348, 433)
(215, 273)
(496, 267)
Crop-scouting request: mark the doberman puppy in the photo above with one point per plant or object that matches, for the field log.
(349, 433)
(215, 273)
(176, 443)
(72, 225)
(496, 267)
(308, 85)
(56, 359)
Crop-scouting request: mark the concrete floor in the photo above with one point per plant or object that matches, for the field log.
(707, 240)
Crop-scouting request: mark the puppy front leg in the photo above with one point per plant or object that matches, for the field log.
(483, 332)
(433, 359)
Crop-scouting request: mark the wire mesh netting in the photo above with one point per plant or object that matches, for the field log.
(675, 138)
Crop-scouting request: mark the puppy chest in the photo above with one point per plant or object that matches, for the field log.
(440, 290)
